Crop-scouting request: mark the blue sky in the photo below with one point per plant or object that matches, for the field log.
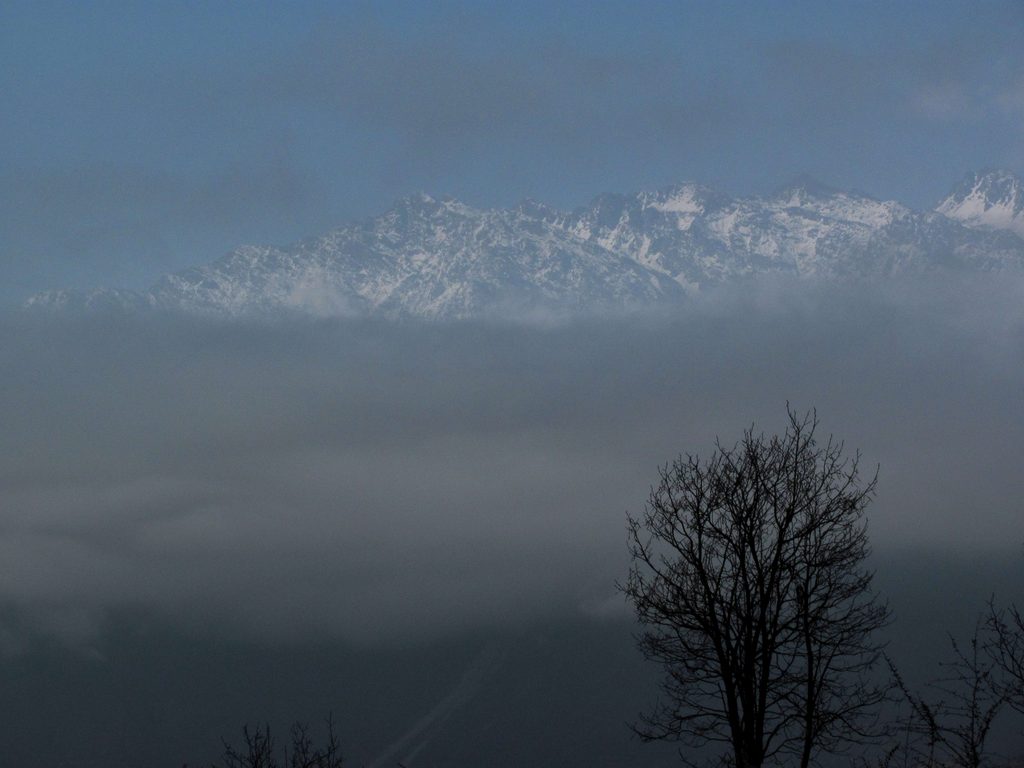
(137, 138)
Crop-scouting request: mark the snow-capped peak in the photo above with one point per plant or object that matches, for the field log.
(685, 199)
(802, 189)
(439, 258)
(989, 199)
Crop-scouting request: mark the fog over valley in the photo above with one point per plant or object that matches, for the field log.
(366, 484)
(468, 474)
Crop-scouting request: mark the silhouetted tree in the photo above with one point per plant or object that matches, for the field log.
(258, 750)
(1006, 648)
(955, 722)
(748, 577)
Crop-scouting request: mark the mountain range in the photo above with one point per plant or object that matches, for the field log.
(436, 258)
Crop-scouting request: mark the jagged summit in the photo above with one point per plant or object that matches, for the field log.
(439, 258)
(89, 300)
(993, 199)
(423, 203)
(805, 187)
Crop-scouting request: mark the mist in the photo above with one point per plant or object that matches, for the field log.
(390, 483)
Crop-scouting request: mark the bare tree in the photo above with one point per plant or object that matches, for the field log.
(1006, 649)
(956, 722)
(258, 749)
(305, 755)
(749, 580)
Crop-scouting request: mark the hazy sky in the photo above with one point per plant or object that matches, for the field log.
(141, 137)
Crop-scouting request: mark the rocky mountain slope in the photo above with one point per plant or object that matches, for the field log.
(441, 259)
(993, 200)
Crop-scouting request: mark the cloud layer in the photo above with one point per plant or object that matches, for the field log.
(387, 482)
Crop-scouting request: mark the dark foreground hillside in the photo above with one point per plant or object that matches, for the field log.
(552, 694)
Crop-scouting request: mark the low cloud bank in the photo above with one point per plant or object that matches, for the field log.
(388, 482)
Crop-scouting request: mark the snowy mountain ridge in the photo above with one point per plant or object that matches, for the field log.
(993, 199)
(440, 258)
